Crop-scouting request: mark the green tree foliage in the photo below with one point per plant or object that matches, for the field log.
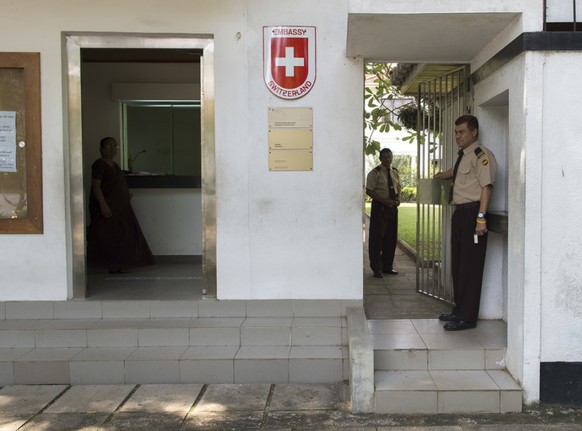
(406, 172)
(378, 115)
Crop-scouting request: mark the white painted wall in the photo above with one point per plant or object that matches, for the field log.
(296, 234)
(493, 118)
(521, 78)
(279, 234)
(170, 220)
(560, 202)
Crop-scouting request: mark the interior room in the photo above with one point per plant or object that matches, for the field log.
(149, 101)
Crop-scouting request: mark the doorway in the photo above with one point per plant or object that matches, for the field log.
(127, 47)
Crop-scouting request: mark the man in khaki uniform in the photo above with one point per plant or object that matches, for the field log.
(473, 179)
(383, 186)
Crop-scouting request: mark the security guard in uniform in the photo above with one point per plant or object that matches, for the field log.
(383, 186)
(473, 179)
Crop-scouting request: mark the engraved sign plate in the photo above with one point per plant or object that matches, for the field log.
(291, 117)
(290, 160)
(287, 139)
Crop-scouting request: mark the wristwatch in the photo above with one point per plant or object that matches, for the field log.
(481, 215)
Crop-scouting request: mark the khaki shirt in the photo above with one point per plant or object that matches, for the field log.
(377, 181)
(474, 173)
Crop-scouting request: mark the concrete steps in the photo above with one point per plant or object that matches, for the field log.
(89, 343)
(420, 368)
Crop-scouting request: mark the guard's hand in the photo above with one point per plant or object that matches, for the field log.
(390, 203)
(481, 229)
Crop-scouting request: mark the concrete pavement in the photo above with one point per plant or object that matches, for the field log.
(236, 407)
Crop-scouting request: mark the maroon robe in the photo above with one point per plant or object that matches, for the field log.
(116, 242)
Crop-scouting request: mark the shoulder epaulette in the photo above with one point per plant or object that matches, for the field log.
(479, 152)
(395, 169)
(377, 168)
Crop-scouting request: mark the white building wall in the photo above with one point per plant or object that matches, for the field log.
(544, 199)
(303, 231)
(521, 154)
(279, 235)
(560, 201)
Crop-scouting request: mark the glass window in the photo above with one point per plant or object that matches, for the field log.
(161, 138)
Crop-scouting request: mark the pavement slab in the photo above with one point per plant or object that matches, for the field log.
(91, 399)
(66, 422)
(234, 420)
(12, 422)
(163, 398)
(229, 397)
(307, 397)
(144, 422)
(23, 399)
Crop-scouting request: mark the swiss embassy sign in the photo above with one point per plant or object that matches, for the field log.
(289, 60)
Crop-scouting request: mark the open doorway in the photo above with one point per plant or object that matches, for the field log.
(112, 82)
(391, 123)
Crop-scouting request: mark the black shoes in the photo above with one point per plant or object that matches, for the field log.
(390, 272)
(378, 274)
(459, 325)
(448, 318)
(455, 324)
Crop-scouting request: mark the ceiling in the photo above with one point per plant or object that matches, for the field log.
(408, 76)
(140, 55)
(425, 45)
(423, 38)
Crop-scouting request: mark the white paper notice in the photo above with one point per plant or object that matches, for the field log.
(7, 141)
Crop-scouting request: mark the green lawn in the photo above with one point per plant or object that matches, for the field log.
(406, 222)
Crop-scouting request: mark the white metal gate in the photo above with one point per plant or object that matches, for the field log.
(440, 102)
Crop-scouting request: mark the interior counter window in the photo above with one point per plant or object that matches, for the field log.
(161, 138)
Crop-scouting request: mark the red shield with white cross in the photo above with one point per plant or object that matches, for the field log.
(289, 60)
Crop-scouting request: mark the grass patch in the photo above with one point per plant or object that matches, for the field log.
(407, 224)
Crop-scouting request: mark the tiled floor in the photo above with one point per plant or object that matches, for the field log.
(162, 281)
(429, 334)
(393, 297)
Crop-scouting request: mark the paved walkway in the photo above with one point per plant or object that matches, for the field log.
(395, 296)
(234, 407)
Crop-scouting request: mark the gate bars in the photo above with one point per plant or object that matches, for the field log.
(440, 102)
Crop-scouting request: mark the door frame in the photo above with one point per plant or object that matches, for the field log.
(73, 42)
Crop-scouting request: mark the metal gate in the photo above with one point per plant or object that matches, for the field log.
(440, 102)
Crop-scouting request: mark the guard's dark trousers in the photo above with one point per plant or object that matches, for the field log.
(468, 260)
(382, 236)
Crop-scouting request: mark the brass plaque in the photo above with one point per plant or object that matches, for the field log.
(290, 118)
(290, 139)
(290, 160)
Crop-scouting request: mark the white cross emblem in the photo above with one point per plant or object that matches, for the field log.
(289, 61)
